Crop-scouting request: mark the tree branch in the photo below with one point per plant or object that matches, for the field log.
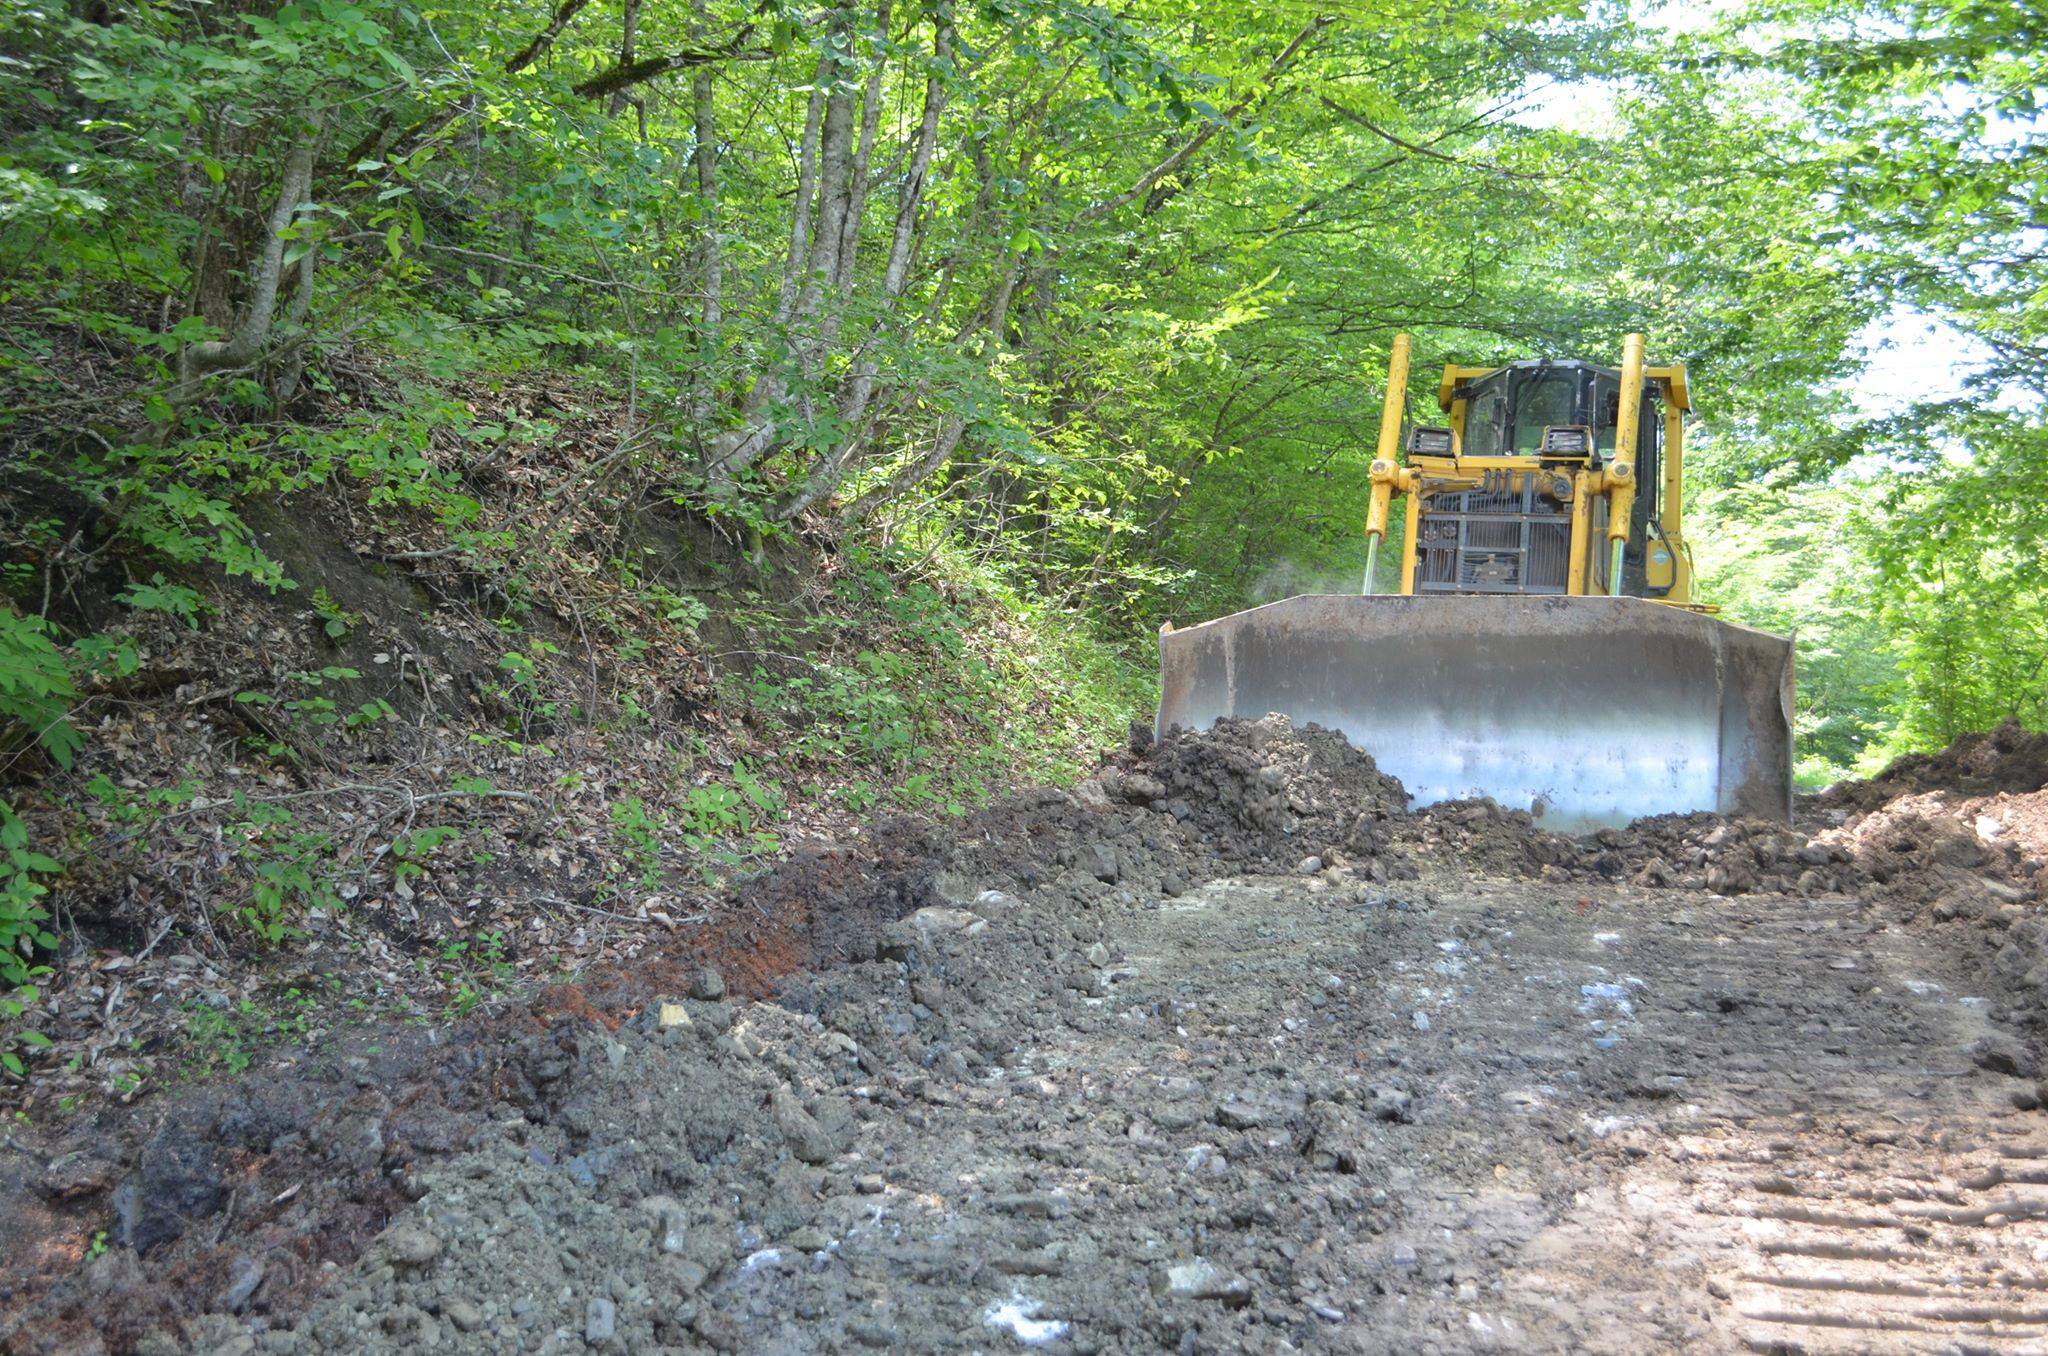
(1417, 148)
(545, 39)
(639, 72)
(1186, 150)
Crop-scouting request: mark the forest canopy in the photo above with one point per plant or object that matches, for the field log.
(1094, 298)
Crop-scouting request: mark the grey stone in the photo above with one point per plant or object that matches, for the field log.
(2002, 1054)
(1237, 1114)
(1031, 1205)
(464, 1315)
(176, 1182)
(1140, 789)
(919, 929)
(407, 1247)
(1203, 1281)
(1390, 1103)
(670, 1223)
(245, 1273)
(600, 1321)
(1091, 794)
(1102, 861)
(809, 1141)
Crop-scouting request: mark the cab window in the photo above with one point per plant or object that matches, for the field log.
(1486, 417)
(1545, 398)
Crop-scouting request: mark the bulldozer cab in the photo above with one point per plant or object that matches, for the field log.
(1542, 647)
(1526, 428)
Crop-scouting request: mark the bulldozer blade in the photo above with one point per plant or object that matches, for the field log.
(1587, 712)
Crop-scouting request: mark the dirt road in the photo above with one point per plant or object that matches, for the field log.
(1286, 1111)
(1448, 1085)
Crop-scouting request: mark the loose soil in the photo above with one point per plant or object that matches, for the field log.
(1224, 1051)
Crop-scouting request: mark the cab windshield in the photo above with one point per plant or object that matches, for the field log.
(1543, 399)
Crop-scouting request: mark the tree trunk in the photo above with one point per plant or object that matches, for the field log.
(954, 426)
(806, 190)
(629, 28)
(710, 250)
(859, 391)
(246, 345)
(827, 129)
(863, 156)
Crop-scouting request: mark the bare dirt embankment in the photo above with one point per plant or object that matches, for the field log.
(1222, 1051)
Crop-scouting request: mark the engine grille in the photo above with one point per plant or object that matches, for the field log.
(1506, 537)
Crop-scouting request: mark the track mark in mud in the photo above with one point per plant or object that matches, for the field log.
(1848, 1191)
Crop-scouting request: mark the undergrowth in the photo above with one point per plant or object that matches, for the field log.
(336, 787)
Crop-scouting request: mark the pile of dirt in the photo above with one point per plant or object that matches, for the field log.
(2007, 759)
(1246, 797)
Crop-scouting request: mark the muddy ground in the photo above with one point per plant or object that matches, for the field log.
(1222, 1052)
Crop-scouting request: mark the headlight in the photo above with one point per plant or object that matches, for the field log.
(1567, 440)
(1429, 442)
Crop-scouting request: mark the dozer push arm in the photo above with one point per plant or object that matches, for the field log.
(1619, 479)
(1388, 478)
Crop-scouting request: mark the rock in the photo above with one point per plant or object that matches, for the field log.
(465, 1316)
(1237, 1114)
(670, 1223)
(1203, 1281)
(809, 1141)
(810, 1238)
(1101, 861)
(934, 921)
(1960, 847)
(869, 1333)
(1091, 794)
(1098, 955)
(2002, 1054)
(245, 1273)
(1030, 1205)
(1732, 879)
(871, 1184)
(77, 1174)
(600, 1321)
(1308, 866)
(408, 1248)
(1392, 1104)
(176, 1183)
(671, 1016)
(1173, 885)
(1336, 1142)
(707, 985)
(1140, 789)
(353, 1133)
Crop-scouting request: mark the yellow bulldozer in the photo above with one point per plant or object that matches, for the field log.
(1543, 649)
